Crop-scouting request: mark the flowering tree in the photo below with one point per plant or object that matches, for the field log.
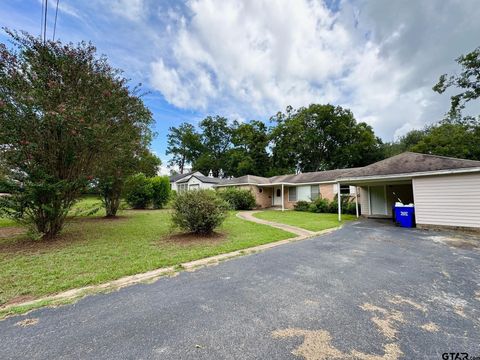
(63, 112)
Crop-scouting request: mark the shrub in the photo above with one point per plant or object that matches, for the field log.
(161, 191)
(320, 206)
(238, 199)
(302, 206)
(199, 211)
(138, 191)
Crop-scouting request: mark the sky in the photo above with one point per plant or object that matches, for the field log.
(249, 59)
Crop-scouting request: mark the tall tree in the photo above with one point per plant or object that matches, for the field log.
(322, 137)
(249, 155)
(468, 81)
(216, 137)
(184, 144)
(458, 139)
(61, 108)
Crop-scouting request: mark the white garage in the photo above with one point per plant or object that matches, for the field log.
(444, 190)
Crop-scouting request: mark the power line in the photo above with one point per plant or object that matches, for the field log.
(45, 23)
(41, 24)
(55, 23)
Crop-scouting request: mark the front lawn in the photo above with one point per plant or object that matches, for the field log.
(93, 250)
(305, 220)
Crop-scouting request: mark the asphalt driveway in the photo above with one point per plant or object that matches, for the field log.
(367, 291)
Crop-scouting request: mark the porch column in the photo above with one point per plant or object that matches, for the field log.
(339, 203)
(356, 200)
(283, 204)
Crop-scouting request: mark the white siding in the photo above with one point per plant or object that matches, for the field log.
(364, 206)
(451, 200)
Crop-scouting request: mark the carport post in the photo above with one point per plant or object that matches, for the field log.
(339, 203)
(356, 200)
(283, 203)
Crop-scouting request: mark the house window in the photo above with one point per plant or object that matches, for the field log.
(345, 189)
(314, 192)
(279, 193)
(292, 193)
(182, 187)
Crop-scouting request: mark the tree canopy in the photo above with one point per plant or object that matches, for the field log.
(468, 81)
(322, 137)
(64, 111)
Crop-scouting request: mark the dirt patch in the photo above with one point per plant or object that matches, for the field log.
(189, 239)
(397, 300)
(26, 245)
(317, 346)
(100, 219)
(27, 322)
(386, 321)
(430, 327)
(459, 310)
(465, 242)
(6, 232)
(18, 300)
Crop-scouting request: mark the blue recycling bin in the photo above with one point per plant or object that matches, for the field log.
(404, 216)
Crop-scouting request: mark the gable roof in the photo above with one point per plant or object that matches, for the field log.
(410, 162)
(175, 178)
(203, 179)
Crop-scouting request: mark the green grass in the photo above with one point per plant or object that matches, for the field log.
(305, 220)
(93, 250)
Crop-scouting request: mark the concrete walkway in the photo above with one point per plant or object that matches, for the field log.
(248, 215)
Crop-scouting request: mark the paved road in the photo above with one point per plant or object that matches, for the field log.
(366, 291)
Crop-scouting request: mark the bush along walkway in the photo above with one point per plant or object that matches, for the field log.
(248, 215)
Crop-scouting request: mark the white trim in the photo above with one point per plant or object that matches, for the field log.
(356, 201)
(280, 183)
(369, 202)
(385, 198)
(339, 196)
(411, 175)
(283, 200)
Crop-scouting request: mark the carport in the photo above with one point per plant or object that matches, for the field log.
(445, 191)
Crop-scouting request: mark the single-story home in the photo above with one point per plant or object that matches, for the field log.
(192, 181)
(286, 190)
(445, 190)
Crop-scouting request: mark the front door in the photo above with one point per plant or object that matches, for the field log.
(378, 201)
(277, 196)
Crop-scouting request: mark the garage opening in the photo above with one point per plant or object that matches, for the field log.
(377, 200)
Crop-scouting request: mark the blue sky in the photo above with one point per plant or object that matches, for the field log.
(249, 59)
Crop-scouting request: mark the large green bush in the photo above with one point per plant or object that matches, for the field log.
(161, 191)
(238, 199)
(324, 206)
(138, 191)
(199, 211)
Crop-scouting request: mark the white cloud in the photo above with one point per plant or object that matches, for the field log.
(253, 58)
(133, 10)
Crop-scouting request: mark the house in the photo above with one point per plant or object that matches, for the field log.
(445, 191)
(286, 190)
(192, 181)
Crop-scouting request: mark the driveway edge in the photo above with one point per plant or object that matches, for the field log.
(147, 277)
